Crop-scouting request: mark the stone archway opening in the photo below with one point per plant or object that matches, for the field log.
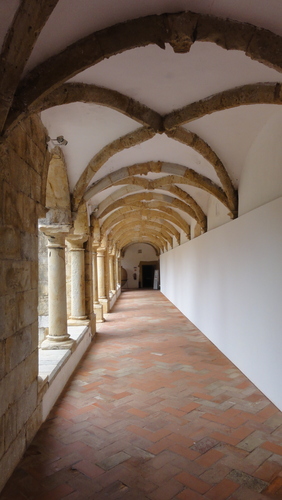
(140, 261)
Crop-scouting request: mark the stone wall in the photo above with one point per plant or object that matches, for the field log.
(23, 165)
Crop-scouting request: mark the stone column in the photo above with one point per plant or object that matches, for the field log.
(78, 315)
(118, 272)
(58, 337)
(101, 279)
(98, 308)
(111, 274)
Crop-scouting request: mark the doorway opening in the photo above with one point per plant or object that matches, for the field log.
(147, 275)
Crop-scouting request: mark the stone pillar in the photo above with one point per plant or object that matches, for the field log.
(101, 279)
(98, 308)
(58, 337)
(118, 272)
(78, 315)
(111, 274)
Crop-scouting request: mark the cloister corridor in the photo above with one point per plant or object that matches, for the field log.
(154, 411)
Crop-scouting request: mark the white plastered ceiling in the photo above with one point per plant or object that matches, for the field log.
(162, 80)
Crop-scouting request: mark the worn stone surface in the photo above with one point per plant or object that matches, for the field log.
(253, 483)
(180, 175)
(259, 93)
(127, 141)
(21, 203)
(27, 24)
(145, 209)
(75, 92)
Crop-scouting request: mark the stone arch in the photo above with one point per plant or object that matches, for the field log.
(194, 141)
(82, 92)
(257, 93)
(141, 135)
(186, 198)
(164, 242)
(135, 217)
(163, 199)
(143, 209)
(180, 30)
(180, 175)
(142, 238)
(171, 188)
(127, 141)
(155, 227)
(157, 250)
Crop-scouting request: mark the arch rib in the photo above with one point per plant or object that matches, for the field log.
(257, 93)
(141, 229)
(82, 92)
(136, 198)
(181, 174)
(126, 141)
(194, 141)
(179, 30)
(135, 217)
(121, 228)
(195, 209)
(144, 210)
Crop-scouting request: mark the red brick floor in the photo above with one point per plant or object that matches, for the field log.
(154, 411)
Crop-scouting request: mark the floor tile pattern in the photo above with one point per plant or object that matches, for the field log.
(154, 411)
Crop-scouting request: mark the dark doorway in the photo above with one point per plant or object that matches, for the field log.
(148, 276)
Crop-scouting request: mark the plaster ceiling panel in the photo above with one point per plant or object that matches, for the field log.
(99, 197)
(87, 128)
(231, 132)
(73, 19)
(165, 81)
(199, 195)
(8, 9)
(159, 148)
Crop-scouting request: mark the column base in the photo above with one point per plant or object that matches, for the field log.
(106, 305)
(62, 342)
(92, 322)
(77, 321)
(98, 309)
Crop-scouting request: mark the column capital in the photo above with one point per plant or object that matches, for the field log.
(56, 233)
(76, 241)
(101, 251)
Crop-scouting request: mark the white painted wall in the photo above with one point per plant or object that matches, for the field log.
(261, 179)
(217, 213)
(132, 259)
(228, 282)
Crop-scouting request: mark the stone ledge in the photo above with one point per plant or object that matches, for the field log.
(56, 366)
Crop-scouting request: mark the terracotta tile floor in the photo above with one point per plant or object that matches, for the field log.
(154, 411)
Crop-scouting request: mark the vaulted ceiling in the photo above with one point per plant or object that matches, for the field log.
(159, 101)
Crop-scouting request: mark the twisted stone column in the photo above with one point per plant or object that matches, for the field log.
(57, 338)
